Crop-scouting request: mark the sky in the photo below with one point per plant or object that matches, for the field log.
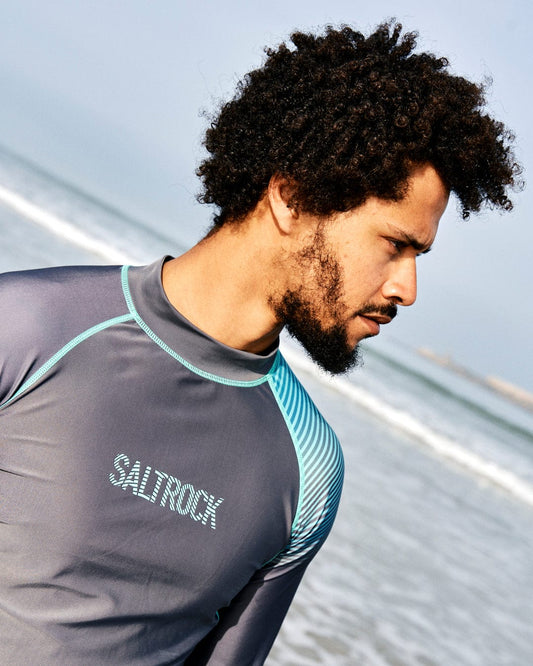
(111, 95)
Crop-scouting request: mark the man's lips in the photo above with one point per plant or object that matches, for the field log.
(373, 316)
(373, 321)
(378, 318)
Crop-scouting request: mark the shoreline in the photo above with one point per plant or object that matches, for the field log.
(502, 387)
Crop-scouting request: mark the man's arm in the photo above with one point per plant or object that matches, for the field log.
(249, 625)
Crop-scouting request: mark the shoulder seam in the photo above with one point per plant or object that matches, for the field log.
(65, 350)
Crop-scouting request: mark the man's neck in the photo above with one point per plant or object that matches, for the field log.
(222, 286)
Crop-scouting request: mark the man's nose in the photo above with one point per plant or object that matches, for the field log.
(400, 287)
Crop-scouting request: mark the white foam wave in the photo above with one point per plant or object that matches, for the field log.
(443, 446)
(68, 231)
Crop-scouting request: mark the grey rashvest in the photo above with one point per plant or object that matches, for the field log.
(161, 494)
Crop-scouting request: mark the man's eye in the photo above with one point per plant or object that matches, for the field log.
(396, 244)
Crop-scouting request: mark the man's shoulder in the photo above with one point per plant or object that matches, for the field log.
(44, 309)
(321, 466)
(317, 446)
(43, 295)
(54, 280)
(302, 415)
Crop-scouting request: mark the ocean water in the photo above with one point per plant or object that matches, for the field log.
(430, 561)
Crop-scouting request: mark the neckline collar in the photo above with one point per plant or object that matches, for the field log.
(208, 355)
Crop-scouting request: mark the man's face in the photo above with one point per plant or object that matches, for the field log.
(350, 272)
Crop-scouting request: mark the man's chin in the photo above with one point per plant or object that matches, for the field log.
(328, 347)
(335, 361)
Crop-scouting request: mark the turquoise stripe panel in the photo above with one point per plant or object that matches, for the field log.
(321, 466)
(65, 350)
(155, 338)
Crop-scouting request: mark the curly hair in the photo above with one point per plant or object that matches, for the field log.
(345, 117)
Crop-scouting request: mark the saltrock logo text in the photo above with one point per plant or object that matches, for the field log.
(157, 486)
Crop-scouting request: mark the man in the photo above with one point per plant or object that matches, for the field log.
(165, 479)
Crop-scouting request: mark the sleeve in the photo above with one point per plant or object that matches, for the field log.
(249, 625)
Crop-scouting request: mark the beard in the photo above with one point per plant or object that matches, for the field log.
(328, 347)
(303, 315)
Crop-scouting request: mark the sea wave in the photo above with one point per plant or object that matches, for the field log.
(64, 228)
(444, 446)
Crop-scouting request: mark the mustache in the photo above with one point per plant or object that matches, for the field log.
(389, 310)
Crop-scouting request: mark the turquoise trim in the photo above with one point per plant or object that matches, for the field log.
(65, 350)
(155, 338)
(301, 466)
(321, 467)
(297, 449)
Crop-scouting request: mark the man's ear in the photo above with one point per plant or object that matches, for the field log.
(281, 200)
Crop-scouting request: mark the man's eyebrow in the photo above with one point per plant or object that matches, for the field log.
(410, 241)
